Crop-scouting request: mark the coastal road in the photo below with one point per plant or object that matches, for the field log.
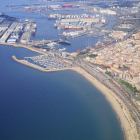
(111, 84)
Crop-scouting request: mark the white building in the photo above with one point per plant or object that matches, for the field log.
(101, 69)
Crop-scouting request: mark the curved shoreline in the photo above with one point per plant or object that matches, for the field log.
(23, 46)
(37, 67)
(124, 116)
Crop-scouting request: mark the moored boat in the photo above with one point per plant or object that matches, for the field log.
(65, 42)
(73, 27)
(33, 32)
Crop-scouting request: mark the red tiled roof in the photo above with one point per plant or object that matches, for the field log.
(101, 67)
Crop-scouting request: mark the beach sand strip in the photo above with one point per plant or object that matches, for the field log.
(124, 116)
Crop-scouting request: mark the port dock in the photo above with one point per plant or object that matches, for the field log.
(16, 32)
(78, 24)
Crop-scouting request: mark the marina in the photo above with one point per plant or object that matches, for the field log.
(55, 57)
(32, 104)
(49, 62)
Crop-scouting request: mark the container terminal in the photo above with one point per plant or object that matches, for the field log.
(17, 32)
(78, 25)
(39, 8)
(67, 16)
(14, 31)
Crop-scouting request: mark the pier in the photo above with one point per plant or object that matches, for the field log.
(40, 43)
(8, 17)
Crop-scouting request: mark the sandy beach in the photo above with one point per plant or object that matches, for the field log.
(128, 124)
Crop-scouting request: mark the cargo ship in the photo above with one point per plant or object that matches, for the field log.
(53, 18)
(11, 5)
(25, 4)
(73, 28)
(30, 10)
(63, 42)
(34, 29)
(52, 44)
(37, 4)
(29, 21)
(33, 32)
(67, 6)
(55, 25)
(34, 26)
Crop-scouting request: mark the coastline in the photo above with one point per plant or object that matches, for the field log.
(23, 46)
(129, 127)
(128, 124)
(37, 67)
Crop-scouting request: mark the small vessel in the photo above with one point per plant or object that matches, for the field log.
(73, 28)
(37, 4)
(52, 44)
(95, 36)
(34, 26)
(64, 42)
(29, 21)
(25, 4)
(53, 18)
(33, 32)
(38, 45)
(55, 26)
(98, 42)
(61, 50)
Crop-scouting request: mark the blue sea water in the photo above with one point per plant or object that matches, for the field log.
(45, 28)
(50, 106)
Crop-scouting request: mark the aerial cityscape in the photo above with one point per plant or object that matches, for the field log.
(70, 70)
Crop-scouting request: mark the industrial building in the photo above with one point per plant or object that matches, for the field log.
(12, 40)
(25, 37)
(4, 38)
(78, 23)
(10, 31)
